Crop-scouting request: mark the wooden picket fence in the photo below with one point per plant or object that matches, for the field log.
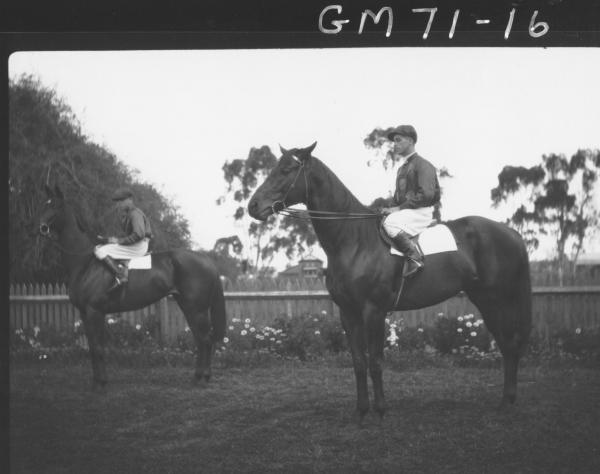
(263, 300)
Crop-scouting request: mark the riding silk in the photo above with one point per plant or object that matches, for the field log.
(136, 226)
(434, 239)
(416, 184)
(138, 233)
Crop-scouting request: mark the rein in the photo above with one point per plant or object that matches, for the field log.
(63, 249)
(279, 207)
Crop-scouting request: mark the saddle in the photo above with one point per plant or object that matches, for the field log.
(137, 263)
(436, 238)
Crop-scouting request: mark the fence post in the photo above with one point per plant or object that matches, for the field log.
(288, 303)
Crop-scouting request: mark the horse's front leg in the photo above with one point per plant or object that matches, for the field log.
(95, 331)
(375, 323)
(354, 329)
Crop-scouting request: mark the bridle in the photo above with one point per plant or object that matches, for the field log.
(46, 232)
(280, 207)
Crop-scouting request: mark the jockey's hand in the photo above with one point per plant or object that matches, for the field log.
(100, 239)
(384, 211)
(113, 240)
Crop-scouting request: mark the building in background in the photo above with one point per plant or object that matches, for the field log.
(307, 268)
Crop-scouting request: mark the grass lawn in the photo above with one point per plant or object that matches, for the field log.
(290, 416)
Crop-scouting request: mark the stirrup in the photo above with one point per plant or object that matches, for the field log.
(117, 284)
(415, 266)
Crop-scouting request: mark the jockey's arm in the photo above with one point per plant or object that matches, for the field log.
(138, 230)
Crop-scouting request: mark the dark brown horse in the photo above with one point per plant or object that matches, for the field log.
(491, 266)
(190, 277)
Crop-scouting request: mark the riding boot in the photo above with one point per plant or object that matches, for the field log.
(414, 259)
(120, 272)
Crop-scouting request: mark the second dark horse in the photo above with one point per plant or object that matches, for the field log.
(189, 276)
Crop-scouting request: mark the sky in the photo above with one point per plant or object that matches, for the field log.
(178, 116)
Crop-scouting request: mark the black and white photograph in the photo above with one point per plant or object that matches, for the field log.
(309, 255)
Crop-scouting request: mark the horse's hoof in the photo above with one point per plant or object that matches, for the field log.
(99, 388)
(359, 417)
(200, 382)
(506, 406)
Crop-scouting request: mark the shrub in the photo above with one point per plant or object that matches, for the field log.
(455, 335)
(581, 343)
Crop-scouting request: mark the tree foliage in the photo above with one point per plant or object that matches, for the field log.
(377, 141)
(47, 145)
(557, 199)
(276, 234)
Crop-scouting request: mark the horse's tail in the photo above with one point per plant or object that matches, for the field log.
(218, 315)
(523, 294)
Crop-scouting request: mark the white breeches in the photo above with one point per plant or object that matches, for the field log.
(411, 221)
(122, 252)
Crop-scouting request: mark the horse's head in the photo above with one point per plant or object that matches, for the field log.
(285, 185)
(52, 214)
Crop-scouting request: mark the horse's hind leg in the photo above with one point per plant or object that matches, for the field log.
(375, 323)
(199, 323)
(509, 321)
(95, 331)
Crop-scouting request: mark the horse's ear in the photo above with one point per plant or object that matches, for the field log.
(283, 150)
(58, 192)
(310, 149)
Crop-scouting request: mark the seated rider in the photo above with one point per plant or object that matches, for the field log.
(134, 243)
(417, 191)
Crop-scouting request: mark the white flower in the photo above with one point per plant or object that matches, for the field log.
(278, 342)
(440, 314)
(459, 330)
(247, 326)
(460, 318)
(231, 328)
(235, 320)
(247, 321)
(252, 329)
(138, 326)
(77, 324)
(36, 330)
(244, 332)
(473, 334)
(469, 324)
(316, 320)
(393, 337)
(225, 340)
(387, 320)
(187, 329)
(111, 321)
(324, 313)
(578, 331)
(420, 329)
(272, 339)
(317, 332)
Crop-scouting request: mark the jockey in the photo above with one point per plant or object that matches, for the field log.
(417, 191)
(138, 233)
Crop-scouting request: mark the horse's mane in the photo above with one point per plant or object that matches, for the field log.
(351, 199)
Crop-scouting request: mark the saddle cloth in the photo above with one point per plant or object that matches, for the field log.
(141, 263)
(435, 239)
